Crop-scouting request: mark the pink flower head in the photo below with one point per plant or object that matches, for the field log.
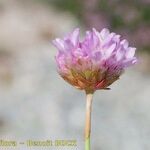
(94, 63)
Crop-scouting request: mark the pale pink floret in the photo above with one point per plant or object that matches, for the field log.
(96, 61)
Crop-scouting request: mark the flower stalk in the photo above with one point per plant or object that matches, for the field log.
(89, 99)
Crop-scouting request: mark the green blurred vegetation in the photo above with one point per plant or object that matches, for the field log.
(72, 6)
(132, 16)
(76, 7)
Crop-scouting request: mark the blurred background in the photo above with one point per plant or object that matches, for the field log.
(35, 103)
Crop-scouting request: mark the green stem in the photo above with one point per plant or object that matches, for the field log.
(87, 143)
(89, 96)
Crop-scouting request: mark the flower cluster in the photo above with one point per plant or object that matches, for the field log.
(96, 61)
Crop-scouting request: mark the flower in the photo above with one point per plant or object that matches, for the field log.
(96, 61)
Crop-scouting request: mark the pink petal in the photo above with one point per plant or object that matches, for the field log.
(130, 52)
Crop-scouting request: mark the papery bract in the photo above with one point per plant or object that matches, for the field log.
(96, 61)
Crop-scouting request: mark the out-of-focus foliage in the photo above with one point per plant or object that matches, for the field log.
(130, 18)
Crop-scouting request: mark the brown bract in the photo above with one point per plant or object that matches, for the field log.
(90, 80)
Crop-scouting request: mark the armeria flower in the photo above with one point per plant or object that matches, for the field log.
(94, 63)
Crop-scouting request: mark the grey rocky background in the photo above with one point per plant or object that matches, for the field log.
(37, 104)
